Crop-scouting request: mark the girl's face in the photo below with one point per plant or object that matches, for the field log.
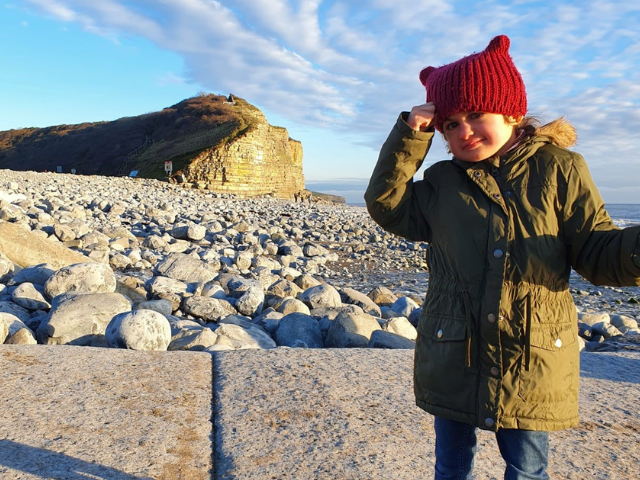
(476, 136)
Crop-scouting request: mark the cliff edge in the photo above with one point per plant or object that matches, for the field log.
(219, 143)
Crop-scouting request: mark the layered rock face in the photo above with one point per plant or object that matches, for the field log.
(220, 143)
(259, 161)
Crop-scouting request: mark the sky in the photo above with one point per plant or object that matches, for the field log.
(335, 74)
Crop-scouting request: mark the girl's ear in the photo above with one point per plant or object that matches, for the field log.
(511, 120)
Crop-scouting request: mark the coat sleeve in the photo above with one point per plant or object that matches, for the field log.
(599, 251)
(393, 199)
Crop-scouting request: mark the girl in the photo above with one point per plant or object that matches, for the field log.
(505, 219)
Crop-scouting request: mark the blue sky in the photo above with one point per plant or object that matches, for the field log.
(334, 73)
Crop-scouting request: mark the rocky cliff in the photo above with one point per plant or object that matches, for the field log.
(259, 160)
(220, 143)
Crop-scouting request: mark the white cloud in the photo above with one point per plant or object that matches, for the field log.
(355, 65)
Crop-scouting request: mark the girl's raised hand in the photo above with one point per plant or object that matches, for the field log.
(421, 116)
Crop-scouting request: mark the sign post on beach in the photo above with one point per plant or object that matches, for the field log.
(168, 167)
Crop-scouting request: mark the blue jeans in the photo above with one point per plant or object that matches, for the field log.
(525, 452)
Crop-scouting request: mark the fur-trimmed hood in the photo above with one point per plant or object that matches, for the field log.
(560, 132)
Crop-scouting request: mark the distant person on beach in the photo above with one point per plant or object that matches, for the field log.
(505, 219)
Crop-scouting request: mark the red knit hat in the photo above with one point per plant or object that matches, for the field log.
(482, 82)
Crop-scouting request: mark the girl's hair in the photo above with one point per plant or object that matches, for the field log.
(528, 124)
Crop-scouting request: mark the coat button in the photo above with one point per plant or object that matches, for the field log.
(477, 173)
(494, 371)
(498, 253)
(558, 342)
(439, 334)
(491, 318)
(508, 193)
(489, 422)
(496, 196)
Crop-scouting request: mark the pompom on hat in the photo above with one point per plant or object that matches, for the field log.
(482, 82)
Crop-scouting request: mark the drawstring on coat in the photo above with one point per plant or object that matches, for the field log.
(467, 311)
(527, 331)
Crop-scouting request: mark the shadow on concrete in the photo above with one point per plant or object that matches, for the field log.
(221, 463)
(610, 367)
(55, 466)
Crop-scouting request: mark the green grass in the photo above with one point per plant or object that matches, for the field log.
(179, 133)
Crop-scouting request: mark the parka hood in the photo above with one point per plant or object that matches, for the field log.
(559, 132)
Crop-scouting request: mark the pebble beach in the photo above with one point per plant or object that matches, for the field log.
(197, 261)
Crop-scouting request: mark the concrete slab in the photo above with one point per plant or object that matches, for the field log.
(77, 413)
(71, 413)
(350, 414)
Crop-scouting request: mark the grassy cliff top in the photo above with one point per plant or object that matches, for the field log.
(101, 148)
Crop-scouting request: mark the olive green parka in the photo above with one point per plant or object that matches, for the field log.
(497, 336)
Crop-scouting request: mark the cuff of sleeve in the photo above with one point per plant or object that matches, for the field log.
(407, 131)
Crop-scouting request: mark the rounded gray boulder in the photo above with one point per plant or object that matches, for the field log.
(298, 329)
(139, 330)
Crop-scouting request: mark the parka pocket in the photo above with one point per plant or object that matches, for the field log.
(551, 373)
(440, 375)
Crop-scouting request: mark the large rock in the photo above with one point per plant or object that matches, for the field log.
(404, 306)
(350, 330)
(401, 326)
(382, 296)
(385, 339)
(187, 268)
(624, 324)
(241, 338)
(284, 288)
(238, 286)
(251, 301)
(24, 336)
(207, 308)
(14, 324)
(139, 330)
(30, 296)
(81, 318)
(81, 278)
(18, 332)
(594, 318)
(26, 248)
(606, 329)
(160, 284)
(292, 305)
(299, 330)
(269, 320)
(322, 295)
(354, 297)
(196, 339)
(15, 309)
(37, 274)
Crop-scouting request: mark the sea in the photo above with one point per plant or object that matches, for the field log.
(622, 214)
